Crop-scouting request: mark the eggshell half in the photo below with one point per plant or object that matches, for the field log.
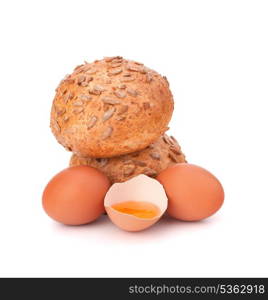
(139, 188)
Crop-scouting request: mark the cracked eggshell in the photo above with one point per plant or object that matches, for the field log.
(139, 189)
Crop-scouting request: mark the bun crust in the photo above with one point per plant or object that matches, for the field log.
(150, 161)
(111, 107)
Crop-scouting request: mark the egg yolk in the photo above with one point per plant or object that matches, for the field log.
(144, 210)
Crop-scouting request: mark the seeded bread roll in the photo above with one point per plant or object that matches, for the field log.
(110, 107)
(150, 161)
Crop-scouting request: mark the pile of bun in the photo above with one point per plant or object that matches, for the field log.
(113, 115)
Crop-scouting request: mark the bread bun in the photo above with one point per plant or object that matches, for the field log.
(150, 161)
(111, 107)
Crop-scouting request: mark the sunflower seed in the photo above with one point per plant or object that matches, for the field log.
(87, 67)
(127, 162)
(109, 100)
(109, 59)
(108, 114)
(175, 150)
(134, 68)
(96, 89)
(164, 77)
(174, 140)
(93, 120)
(132, 92)
(84, 84)
(68, 96)
(165, 139)
(85, 97)
(155, 155)
(144, 70)
(108, 81)
(146, 105)
(93, 92)
(102, 161)
(139, 163)
(78, 103)
(120, 118)
(89, 78)
(149, 172)
(70, 130)
(61, 111)
(168, 140)
(123, 109)
(70, 80)
(78, 110)
(137, 63)
(116, 64)
(81, 79)
(122, 86)
(126, 75)
(120, 94)
(56, 126)
(173, 157)
(66, 76)
(68, 148)
(99, 88)
(149, 77)
(107, 133)
(62, 92)
(128, 170)
(117, 60)
(91, 71)
(114, 71)
(78, 67)
(127, 79)
(65, 118)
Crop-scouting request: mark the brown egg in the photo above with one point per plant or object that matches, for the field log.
(75, 196)
(193, 192)
(136, 204)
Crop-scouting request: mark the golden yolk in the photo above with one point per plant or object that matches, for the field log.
(144, 210)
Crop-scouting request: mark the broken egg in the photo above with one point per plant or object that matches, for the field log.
(136, 204)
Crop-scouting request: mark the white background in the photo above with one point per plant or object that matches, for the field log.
(215, 55)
